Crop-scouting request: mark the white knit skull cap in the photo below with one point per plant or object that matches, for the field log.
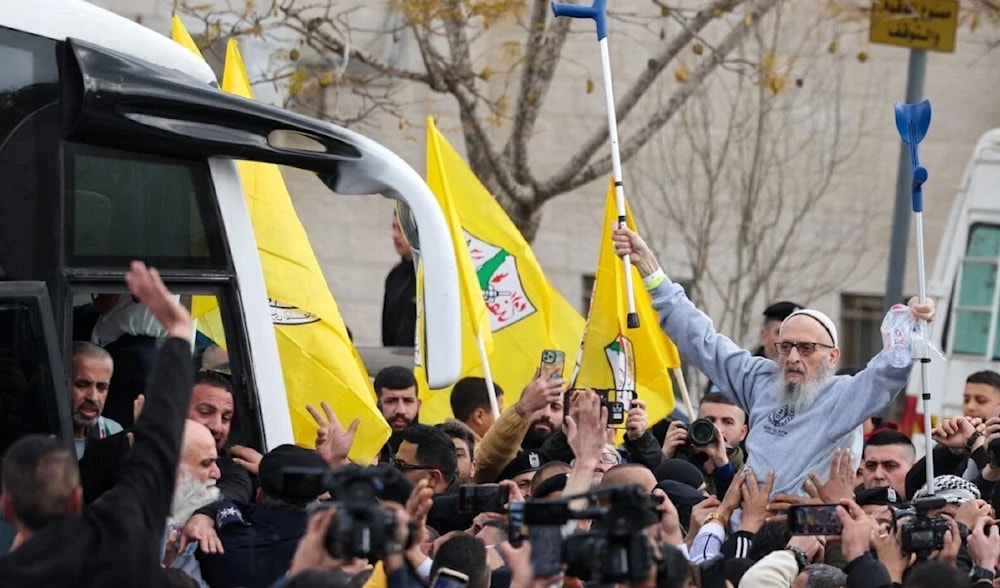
(819, 317)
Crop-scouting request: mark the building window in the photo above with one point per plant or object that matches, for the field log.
(860, 336)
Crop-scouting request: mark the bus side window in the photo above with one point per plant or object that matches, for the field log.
(123, 327)
(976, 298)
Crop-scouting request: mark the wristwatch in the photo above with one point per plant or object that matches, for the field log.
(980, 573)
(971, 441)
(800, 556)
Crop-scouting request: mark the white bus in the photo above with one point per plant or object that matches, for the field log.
(116, 144)
(964, 285)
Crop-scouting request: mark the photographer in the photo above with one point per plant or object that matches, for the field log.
(712, 442)
(312, 552)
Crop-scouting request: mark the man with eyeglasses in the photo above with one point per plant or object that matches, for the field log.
(799, 411)
(427, 452)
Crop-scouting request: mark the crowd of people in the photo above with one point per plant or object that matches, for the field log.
(796, 482)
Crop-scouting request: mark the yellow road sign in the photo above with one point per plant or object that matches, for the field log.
(917, 24)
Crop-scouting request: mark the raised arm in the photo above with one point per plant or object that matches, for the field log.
(143, 492)
(731, 367)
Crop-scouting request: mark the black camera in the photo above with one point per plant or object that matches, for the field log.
(361, 528)
(923, 534)
(993, 453)
(702, 432)
(616, 550)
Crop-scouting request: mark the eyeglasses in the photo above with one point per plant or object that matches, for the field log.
(402, 466)
(805, 348)
(613, 459)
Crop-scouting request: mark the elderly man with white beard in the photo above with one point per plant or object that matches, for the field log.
(799, 412)
(197, 473)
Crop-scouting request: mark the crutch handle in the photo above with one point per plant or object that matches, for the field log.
(596, 11)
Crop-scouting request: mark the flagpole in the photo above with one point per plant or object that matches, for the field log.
(488, 376)
(598, 13)
(683, 387)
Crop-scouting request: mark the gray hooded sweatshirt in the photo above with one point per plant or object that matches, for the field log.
(792, 444)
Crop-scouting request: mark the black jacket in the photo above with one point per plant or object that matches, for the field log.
(399, 307)
(259, 542)
(644, 450)
(946, 462)
(867, 572)
(115, 542)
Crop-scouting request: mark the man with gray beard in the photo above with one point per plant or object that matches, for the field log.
(197, 473)
(799, 413)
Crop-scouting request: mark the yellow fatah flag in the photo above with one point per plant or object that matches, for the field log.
(318, 360)
(613, 356)
(204, 309)
(527, 315)
(475, 318)
(181, 35)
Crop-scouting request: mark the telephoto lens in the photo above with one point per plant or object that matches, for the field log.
(702, 432)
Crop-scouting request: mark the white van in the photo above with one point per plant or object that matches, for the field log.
(965, 287)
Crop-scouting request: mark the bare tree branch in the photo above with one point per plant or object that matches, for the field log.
(578, 173)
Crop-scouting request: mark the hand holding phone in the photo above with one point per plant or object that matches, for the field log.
(483, 498)
(814, 519)
(552, 364)
(618, 403)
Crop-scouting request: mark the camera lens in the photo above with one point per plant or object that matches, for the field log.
(702, 432)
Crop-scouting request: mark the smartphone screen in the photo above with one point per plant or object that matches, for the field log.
(546, 550)
(553, 362)
(545, 513)
(515, 524)
(814, 519)
(482, 498)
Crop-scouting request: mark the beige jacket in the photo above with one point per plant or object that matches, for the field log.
(776, 570)
(500, 445)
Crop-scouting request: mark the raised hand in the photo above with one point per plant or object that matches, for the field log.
(984, 543)
(734, 495)
(755, 501)
(856, 536)
(840, 483)
(923, 311)
(585, 425)
(955, 433)
(538, 394)
(972, 510)
(628, 242)
(637, 421)
(333, 442)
